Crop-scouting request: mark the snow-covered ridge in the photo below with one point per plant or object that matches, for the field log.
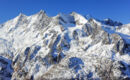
(66, 46)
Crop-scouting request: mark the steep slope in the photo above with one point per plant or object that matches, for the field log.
(67, 46)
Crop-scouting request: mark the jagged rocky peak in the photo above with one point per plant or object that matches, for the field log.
(41, 13)
(66, 46)
(80, 20)
(20, 19)
(21, 16)
(110, 22)
(41, 20)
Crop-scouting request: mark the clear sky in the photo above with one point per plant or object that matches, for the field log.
(118, 10)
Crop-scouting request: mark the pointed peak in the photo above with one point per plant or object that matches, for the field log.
(67, 14)
(74, 13)
(21, 15)
(41, 12)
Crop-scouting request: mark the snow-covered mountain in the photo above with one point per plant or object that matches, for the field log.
(64, 47)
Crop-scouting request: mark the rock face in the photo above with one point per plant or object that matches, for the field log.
(6, 69)
(111, 22)
(67, 46)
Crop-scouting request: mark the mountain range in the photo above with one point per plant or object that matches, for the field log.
(64, 47)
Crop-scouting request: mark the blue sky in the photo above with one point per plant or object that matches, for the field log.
(118, 10)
